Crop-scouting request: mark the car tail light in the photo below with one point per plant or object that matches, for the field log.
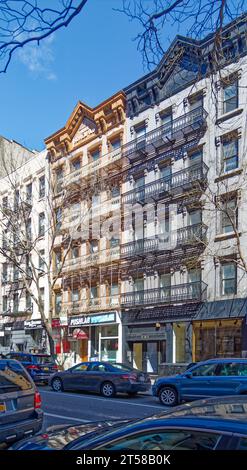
(133, 377)
(55, 367)
(32, 367)
(37, 400)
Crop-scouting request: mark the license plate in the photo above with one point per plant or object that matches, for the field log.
(46, 368)
(2, 407)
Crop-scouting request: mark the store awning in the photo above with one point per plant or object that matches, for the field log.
(78, 333)
(222, 309)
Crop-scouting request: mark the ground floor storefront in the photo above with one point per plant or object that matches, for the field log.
(217, 338)
(159, 345)
(148, 346)
(89, 337)
(20, 335)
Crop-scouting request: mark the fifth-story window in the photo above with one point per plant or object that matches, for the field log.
(230, 97)
(59, 180)
(140, 129)
(42, 186)
(95, 155)
(41, 224)
(230, 154)
(229, 215)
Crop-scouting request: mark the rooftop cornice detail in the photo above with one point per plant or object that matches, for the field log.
(189, 55)
(102, 118)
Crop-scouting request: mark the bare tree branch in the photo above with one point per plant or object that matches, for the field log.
(26, 22)
(196, 18)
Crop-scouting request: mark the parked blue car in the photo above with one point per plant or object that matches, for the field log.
(213, 424)
(215, 377)
(39, 366)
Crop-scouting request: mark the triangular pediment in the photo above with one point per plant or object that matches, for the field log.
(85, 129)
(182, 57)
(85, 123)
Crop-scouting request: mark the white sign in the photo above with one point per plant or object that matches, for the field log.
(31, 324)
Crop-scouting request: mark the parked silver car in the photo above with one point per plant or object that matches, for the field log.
(20, 403)
(102, 377)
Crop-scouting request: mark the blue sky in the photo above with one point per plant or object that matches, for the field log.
(89, 61)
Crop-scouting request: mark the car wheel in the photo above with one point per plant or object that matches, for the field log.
(168, 396)
(57, 385)
(107, 390)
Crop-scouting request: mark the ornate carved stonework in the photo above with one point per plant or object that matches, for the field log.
(86, 128)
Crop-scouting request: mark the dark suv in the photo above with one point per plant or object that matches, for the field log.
(39, 366)
(215, 377)
(20, 413)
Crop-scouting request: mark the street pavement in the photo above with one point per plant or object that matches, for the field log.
(80, 407)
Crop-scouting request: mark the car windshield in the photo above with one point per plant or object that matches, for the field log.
(42, 359)
(122, 367)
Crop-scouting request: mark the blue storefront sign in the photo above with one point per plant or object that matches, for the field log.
(107, 317)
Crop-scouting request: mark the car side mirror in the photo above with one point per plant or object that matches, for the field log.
(188, 375)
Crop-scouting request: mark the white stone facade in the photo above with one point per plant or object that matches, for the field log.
(21, 323)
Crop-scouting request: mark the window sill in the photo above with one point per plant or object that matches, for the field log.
(229, 174)
(226, 236)
(227, 296)
(229, 115)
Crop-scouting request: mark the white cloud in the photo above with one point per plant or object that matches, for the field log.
(39, 59)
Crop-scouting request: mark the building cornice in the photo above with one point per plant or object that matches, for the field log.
(106, 116)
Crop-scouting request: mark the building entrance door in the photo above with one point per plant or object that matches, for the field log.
(84, 350)
(137, 355)
(151, 362)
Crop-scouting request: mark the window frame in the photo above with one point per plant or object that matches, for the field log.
(41, 259)
(72, 293)
(222, 279)
(236, 96)
(74, 163)
(92, 154)
(29, 192)
(138, 130)
(58, 306)
(41, 224)
(41, 187)
(59, 179)
(224, 160)
(225, 216)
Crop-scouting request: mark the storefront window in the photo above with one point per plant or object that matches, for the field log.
(217, 339)
(109, 348)
(109, 330)
(104, 343)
